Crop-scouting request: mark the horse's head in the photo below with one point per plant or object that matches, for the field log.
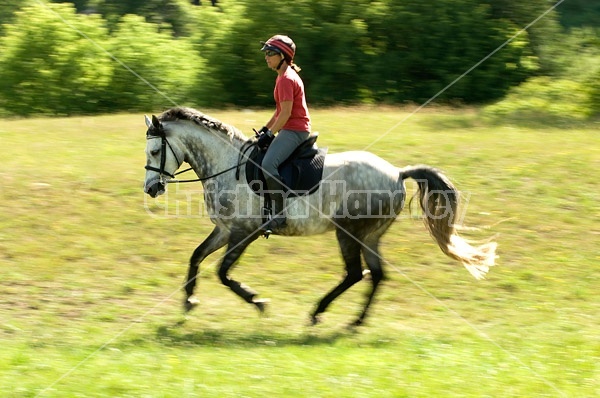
(161, 159)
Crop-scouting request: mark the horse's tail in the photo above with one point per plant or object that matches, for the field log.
(439, 201)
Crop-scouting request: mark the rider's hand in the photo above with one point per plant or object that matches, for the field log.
(260, 132)
(265, 136)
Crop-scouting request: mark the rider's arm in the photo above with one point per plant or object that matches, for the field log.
(271, 121)
(282, 118)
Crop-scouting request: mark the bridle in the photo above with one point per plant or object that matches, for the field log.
(163, 159)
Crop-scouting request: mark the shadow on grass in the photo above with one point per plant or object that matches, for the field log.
(174, 335)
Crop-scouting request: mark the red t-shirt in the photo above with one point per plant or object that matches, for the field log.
(289, 87)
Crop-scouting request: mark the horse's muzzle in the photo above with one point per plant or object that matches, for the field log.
(154, 188)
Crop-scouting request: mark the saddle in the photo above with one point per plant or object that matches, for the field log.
(301, 171)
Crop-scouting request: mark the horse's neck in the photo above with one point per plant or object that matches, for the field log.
(210, 152)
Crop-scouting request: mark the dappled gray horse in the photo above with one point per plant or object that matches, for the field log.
(359, 197)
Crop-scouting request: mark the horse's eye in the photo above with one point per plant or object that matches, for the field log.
(154, 152)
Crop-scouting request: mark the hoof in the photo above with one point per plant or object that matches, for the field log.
(356, 323)
(190, 303)
(261, 305)
(314, 320)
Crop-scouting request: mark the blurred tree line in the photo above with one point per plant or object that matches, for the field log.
(99, 56)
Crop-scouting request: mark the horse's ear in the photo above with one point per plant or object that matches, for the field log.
(156, 122)
(148, 121)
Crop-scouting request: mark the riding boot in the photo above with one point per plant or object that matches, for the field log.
(278, 214)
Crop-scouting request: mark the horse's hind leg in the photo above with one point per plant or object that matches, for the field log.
(216, 240)
(351, 253)
(238, 242)
(373, 259)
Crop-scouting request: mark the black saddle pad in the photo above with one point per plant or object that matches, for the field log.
(301, 172)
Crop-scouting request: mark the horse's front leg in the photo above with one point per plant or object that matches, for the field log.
(238, 242)
(216, 240)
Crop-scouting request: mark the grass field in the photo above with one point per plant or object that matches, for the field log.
(91, 270)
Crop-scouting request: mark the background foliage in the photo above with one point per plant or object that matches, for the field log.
(79, 57)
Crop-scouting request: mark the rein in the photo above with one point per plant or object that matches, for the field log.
(163, 159)
(204, 178)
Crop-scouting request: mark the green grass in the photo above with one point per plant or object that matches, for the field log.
(90, 279)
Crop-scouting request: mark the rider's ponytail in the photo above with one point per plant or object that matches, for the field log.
(295, 67)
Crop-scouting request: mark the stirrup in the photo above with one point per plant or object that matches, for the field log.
(266, 215)
(267, 232)
(273, 224)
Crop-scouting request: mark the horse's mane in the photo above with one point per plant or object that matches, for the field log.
(199, 118)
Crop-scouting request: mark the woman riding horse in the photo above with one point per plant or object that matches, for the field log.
(359, 196)
(291, 121)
